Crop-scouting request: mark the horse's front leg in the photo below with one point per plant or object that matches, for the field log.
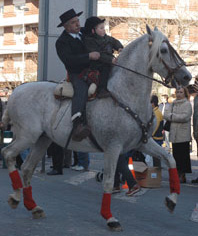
(110, 163)
(153, 149)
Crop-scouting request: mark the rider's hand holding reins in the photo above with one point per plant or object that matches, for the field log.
(94, 56)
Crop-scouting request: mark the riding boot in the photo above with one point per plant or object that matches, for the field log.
(81, 131)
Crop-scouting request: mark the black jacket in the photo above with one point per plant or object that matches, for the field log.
(72, 53)
(104, 45)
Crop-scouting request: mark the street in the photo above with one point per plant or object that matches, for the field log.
(72, 204)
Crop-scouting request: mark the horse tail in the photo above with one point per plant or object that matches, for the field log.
(5, 118)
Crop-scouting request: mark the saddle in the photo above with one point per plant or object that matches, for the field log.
(65, 90)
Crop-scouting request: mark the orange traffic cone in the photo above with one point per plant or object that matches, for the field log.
(131, 168)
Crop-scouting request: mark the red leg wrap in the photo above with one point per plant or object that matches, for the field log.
(106, 204)
(16, 180)
(174, 181)
(29, 203)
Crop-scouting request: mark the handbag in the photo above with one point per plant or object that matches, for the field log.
(168, 122)
(167, 125)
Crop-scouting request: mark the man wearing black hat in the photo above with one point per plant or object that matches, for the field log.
(72, 53)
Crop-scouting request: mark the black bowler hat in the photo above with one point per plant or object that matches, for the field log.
(67, 16)
(91, 23)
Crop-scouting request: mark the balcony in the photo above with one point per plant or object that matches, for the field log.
(19, 20)
(19, 49)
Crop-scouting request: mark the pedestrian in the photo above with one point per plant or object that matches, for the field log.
(57, 154)
(123, 170)
(195, 121)
(157, 134)
(72, 52)
(179, 114)
(165, 104)
(82, 161)
(96, 39)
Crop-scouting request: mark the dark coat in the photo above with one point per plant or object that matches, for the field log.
(104, 45)
(72, 53)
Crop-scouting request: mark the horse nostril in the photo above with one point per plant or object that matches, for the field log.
(188, 78)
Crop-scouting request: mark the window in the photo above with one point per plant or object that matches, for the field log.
(1, 35)
(1, 63)
(18, 62)
(164, 1)
(18, 34)
(134, 1)
(1, 7)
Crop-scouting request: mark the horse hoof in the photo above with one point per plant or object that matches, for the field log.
(114, 225)
(38, 213)
(13, 203)
(170, 204)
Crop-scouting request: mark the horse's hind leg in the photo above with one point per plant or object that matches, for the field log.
(153, 149)
(36, 154)
(9, 153)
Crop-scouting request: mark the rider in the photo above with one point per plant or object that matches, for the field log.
(72, 53)
(95, 39)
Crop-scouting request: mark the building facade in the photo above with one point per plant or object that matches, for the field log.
(18, 41)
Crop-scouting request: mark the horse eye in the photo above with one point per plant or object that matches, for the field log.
(163, 50)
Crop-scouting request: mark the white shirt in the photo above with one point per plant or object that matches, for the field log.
(76, 35)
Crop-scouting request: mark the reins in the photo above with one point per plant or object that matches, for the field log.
(146, 76)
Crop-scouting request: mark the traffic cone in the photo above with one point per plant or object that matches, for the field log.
(131, 168)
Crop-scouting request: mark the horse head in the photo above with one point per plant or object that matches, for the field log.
(165, 61)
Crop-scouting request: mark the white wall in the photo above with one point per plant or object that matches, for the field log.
(49, 65)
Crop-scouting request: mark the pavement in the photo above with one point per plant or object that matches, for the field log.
(72, 204)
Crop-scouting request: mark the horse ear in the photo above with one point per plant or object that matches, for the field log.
(149, 31)
(155, 29)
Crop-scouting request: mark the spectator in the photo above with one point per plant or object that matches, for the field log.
(57, 154)
(179, 113)
(157, 133)
(123, 169)
(164, 104)
(82, 161)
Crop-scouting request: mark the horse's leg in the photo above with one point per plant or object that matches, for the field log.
(110, 163)
(36, 154)
(153, 149)
(9, 153)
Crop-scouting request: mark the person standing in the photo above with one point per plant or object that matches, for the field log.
(71, 51)
(83, 161)
(157, 134)
(179, 114)
(57, 154)
(164, 104)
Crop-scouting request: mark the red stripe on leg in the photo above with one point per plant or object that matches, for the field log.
(174, 181)
(16, 180)
(29, 203)
(106, 205)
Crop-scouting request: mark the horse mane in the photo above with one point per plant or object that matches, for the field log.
(158, 38)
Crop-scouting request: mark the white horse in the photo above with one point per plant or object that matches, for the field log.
(118, 123)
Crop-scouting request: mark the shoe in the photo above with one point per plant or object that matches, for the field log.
(81, 132)
(104, 94)
(54, 172)
(116, 190)
(78, 168)
(66, 166)
(194, 181)
(182, 178)
(194, 215)
(136, 188)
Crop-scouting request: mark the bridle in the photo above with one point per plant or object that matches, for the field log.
(177, 59)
